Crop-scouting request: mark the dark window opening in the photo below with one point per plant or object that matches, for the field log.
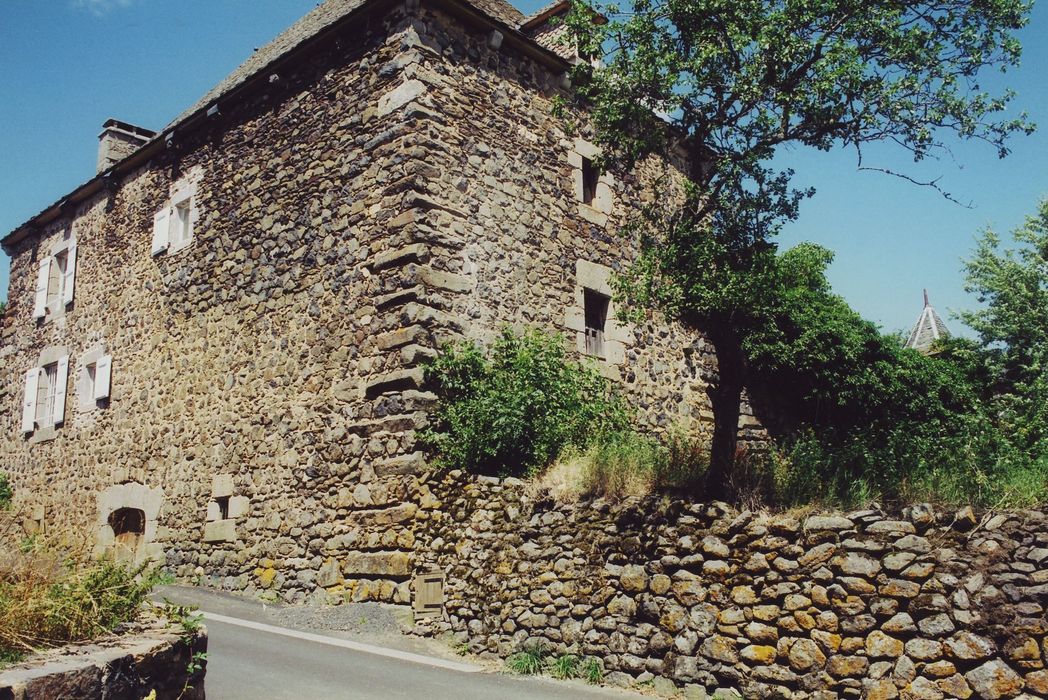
(596, 308)
(223, 507)
(590, 176)
(129, 526)
(127, 521)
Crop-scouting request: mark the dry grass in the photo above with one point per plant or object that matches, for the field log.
(52, 593)
(623, 467)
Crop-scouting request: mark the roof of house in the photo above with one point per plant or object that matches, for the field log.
(323, 17)
(315, 21)
(928, 329)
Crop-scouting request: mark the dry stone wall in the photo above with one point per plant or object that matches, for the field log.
(919, 605)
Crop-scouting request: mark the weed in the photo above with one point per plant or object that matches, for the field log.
(529, 661)
(592, 670)
(50, 596)
(565, 667)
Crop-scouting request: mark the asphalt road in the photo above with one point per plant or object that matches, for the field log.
(250, 657)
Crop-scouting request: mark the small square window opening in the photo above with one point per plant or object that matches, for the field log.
(590, 177)
(223, 507)
(596, 312)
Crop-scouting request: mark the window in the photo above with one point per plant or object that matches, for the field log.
(56, 278)
(223, 507)
(45, 395)
(596, 312)
(45, 392)
(90, 377)
(590, 177)
(96, 371)
(182, 229)
(173, 224)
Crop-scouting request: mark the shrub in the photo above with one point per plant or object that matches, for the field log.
(514, 408)
(6, 492)
(47, 599)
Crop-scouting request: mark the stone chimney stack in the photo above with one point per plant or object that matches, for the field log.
(118, 140)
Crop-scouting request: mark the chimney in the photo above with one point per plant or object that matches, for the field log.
(117, 141)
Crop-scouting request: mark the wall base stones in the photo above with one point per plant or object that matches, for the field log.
(126, 669)
(863, 604)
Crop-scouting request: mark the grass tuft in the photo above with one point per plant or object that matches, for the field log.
(52, 594)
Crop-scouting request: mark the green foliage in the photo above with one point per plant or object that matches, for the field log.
(529, 661)
(565, 667)
(739, 80)
(185, 616)
(513, 408)
(593, 670)
(6, 492)
(47, 599)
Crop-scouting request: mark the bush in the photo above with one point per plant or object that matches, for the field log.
(47, 599)
(514, 408)
(6, 492)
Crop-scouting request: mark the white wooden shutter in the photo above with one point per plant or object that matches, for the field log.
(43, 276)
(161, 230)
(103, 377)
(61, 380)
(32, 385)
(70, 276)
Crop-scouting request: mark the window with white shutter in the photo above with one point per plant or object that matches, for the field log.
(103, 377)
(43, 278)
(32, 386)
(59, 395)
(69, 277)
(45, 396)
(162, 230)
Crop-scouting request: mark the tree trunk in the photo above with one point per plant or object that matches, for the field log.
(726, 399)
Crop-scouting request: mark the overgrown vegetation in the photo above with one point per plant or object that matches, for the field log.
(514, 408)
(736, 82)
(50, 597)
(6, 492)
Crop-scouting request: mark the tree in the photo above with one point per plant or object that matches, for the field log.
(730, 82)
(1013, 325)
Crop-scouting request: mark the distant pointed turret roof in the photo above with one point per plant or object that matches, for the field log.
(928, 329)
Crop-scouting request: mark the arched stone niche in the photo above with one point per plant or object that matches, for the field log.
(127, 523)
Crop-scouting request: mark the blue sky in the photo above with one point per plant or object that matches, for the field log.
(68, 65)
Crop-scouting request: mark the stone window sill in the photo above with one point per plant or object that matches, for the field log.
(43, 435)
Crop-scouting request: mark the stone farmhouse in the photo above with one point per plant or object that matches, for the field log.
(213, 348)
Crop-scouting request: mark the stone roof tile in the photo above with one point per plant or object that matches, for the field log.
(315, 21)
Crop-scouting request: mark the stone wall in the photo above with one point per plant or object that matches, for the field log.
(864, 604)
(125, 668)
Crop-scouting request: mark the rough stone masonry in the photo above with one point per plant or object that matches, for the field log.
(213, 349)
(697, 597)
